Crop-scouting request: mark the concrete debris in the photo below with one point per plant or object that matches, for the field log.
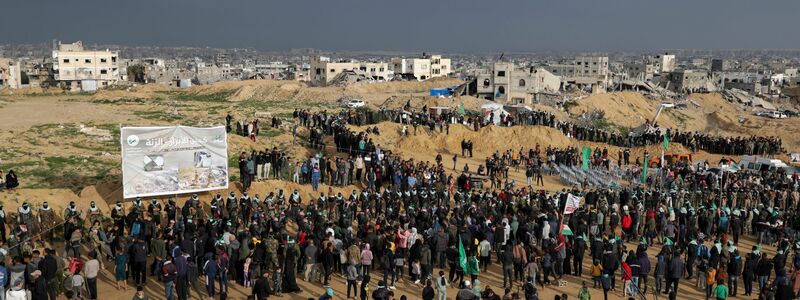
(103, 134)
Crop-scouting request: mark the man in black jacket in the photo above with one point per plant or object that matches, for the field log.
(749, 273)
(261, 289)
(48, 267)
(41, 288)
(675, 271)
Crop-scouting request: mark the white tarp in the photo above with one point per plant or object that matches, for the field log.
(173, 160)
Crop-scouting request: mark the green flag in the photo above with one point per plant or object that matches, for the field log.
(462, 255)
(666, 142)
(472, 266)
(461, 108)
(644, 169)
(587, 153)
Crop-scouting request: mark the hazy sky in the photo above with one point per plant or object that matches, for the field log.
(410, 25)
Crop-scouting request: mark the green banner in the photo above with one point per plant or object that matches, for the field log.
(645, 167)
(462, 255)
(587, 154)
(666, 142)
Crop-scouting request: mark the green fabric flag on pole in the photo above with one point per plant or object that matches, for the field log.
(462, 255)
(666, 142)
(645, 167)
(472, 266)
(461, 108)
(587, 153)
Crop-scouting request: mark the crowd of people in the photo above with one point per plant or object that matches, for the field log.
(415, 222)
(753, 145)
(412, 231)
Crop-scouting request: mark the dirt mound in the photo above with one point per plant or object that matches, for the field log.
(56, 198)
(629, 109)
(403, 86)
(398, 102)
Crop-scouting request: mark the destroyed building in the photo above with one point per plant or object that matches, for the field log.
(505, 82)
(324, 71)
(10, 74)
(590, 72)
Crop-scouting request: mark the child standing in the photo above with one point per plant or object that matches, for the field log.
(597, 272)
(277, 281)
(247, 272)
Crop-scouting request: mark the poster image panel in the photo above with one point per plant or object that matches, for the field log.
(173, 160)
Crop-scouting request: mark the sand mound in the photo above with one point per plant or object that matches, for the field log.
(398, 102)
(56, 198)
(403, 86)
(629, 109)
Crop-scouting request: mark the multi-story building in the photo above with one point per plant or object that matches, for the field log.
(323, 70)
(690, 81)
(591, 71)
(75, 67)
(720, 65)
(664, 63)
(10, 74)
(505, 82)
(426, 67)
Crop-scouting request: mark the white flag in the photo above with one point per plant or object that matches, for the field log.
(573, 202)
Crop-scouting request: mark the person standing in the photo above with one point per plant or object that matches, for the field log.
(140, 262)
(40, 290)
(583, 293)
(121, 269)
(311, 253)
(441, 286)
(675, 272)
(169, 274)
(721, 291)
(427, 291)
(182, 268)
(48, 267)
(261, 289)
(90, 270)
(210, 269)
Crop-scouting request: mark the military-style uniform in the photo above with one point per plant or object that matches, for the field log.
(272, 254)
(47, 220)
(25, 217)
(95, 214)
(154, 209)
(118, 215)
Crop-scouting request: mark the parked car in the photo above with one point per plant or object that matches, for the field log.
(354, 103)
(772, 114)
(791, 113)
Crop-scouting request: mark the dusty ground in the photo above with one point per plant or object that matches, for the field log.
(64, 147)
(493, 278)
(709, 113)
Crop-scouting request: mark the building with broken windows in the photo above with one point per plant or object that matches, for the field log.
(324, 71)
(590, 72)
(508, 83)
(76, 68)
(690, 81)
(10, 74)
(423, 68)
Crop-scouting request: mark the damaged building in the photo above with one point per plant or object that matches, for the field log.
(324, 71)
(507, 83)
(587, 72)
